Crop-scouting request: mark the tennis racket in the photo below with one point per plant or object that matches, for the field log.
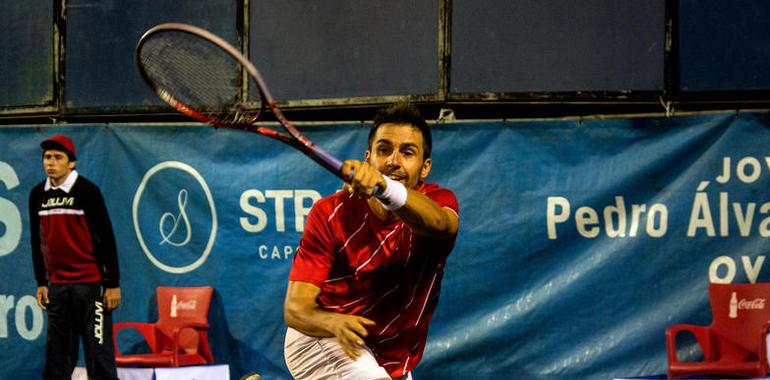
(200, 75)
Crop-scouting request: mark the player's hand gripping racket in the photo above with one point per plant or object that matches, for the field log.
(199, 74)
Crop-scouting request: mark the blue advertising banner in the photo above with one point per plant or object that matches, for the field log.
(580, 241)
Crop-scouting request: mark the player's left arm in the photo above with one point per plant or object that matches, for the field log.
(426, 217)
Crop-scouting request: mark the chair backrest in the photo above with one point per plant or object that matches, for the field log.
(182, 305)
(739, 312)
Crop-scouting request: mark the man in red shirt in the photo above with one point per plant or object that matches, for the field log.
(366, 278)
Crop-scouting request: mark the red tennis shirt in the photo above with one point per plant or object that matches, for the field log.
(378, 270)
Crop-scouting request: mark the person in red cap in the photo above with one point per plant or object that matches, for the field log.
(76, 265)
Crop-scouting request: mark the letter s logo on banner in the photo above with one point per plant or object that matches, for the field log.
(174, 220)
(9, 213)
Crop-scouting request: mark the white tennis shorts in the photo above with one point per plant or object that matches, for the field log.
(310, 358)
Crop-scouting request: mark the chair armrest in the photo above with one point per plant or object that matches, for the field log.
(702, 336)
(147, 330)
(762, 348)
(177, 330)
(193, 325)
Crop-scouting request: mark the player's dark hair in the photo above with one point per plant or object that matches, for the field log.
(403, 113)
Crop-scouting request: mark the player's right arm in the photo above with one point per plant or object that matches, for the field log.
(301, 312)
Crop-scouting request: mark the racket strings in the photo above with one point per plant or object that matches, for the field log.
(195, 72)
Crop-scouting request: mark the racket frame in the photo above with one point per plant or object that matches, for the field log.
(294, 138)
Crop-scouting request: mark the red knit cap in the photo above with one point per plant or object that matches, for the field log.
(59, 142)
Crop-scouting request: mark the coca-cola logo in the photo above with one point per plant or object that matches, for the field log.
(755, 304)
(186, 305)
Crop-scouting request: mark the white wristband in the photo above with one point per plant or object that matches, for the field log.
(394, 195)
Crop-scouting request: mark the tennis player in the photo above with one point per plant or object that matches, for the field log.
(366, 278)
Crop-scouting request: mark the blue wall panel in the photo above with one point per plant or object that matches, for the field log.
(724, 45)
(553, 45)
(341, 49)
(101, 36)
(26, 53)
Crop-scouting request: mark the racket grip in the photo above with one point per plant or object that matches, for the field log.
(334, 165)
(376, 190)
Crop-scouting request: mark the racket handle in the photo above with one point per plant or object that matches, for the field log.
(326, 160)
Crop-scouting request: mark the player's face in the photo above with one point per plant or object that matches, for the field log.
(57, 165)
(397, 152)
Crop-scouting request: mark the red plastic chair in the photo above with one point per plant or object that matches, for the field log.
(734, 344)
(179, 337)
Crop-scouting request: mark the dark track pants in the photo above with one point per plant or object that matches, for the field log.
(77, 311)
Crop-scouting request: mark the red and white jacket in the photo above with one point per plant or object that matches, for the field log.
(71, 234)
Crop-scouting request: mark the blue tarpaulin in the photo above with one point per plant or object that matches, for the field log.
(580, 241)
